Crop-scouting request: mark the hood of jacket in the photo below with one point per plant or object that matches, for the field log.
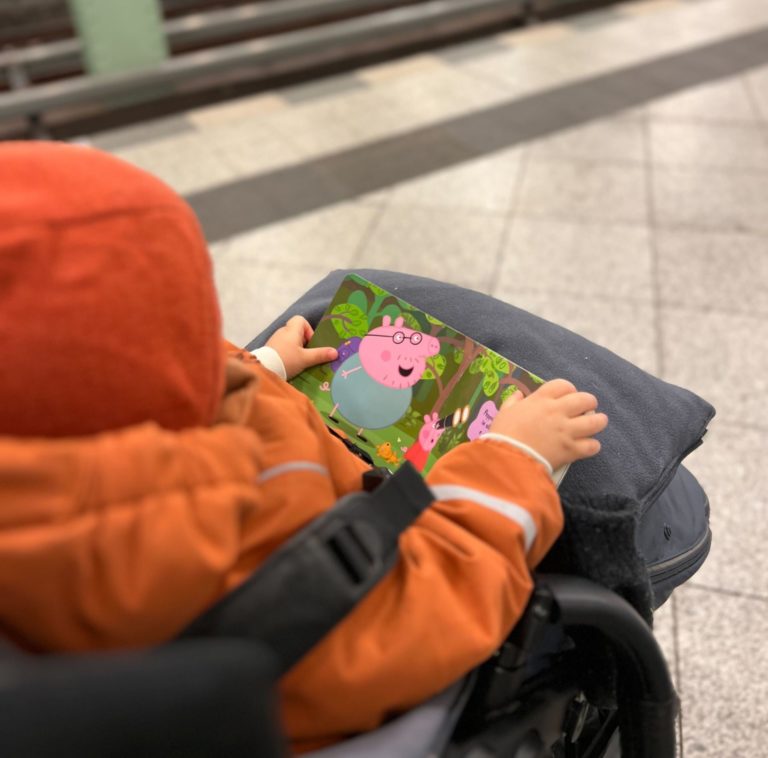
(108, 313)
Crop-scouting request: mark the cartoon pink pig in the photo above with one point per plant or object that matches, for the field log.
(373, 388)
(429, 434)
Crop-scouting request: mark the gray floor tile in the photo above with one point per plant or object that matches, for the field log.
(546, 34)
(757, 82)
(642, 7)
(724, 688)
(401, 67)
(251, 295)
(322, 88)
(251, 202)
(707, 144)
(335, 122)
(710, 199)
(452, 245)
(720, 356)
(713, 270)
(329, 237)
(580, 190)
(580, 259)
(520, 70)
(391, 162)
(471, 50)
(248, 147)
(624, 326)
(437, 94)
(485, 184)
(723, 100)
(603, 48)
(615, 139)
(589, 21)
(250, 108)
(184, 162)
(314, 128)
(148, 131)
(733, 474)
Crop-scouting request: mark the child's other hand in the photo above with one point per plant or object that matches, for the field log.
(289, 341)
(552, 421)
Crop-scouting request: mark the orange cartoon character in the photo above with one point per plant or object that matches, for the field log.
(385, 451)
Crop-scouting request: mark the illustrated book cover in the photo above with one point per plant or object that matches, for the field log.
(405, 385)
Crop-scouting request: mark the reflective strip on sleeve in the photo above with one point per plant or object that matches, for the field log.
(512, 511)
(290, 467)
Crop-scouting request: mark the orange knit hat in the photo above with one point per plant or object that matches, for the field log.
(108, 313)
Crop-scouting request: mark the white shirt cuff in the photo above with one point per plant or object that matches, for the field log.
(520, 446)
(270, 358)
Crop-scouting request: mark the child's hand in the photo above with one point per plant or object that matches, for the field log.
(289, 341)
(553, 422)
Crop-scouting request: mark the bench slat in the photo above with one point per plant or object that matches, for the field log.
(209, 27)
(264, 55)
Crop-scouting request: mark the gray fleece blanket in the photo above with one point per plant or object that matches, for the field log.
(653, 424)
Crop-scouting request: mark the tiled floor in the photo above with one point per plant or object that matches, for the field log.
(608, 171)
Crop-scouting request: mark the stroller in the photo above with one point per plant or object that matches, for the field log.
(581, 675)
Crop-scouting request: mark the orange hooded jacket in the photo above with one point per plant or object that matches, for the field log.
(118, 538)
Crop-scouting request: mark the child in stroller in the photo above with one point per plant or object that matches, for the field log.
(111, 566)
(641, 544)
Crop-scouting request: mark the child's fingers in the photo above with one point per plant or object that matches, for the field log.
(588, 425)
(300, 327)
(313, 356)
(514, 398)
(556, 388)
(586, 448)
(577, 403)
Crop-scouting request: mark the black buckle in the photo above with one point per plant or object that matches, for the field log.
(347, 544)
(375, 477)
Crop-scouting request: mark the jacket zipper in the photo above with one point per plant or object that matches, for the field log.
(681, 561)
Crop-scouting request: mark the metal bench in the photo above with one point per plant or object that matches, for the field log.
(196, 29)
(265, 56)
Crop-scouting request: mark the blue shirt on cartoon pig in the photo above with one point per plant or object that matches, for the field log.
(373, 388)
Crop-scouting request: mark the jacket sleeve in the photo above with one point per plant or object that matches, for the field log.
(460, 585)
(95, 561)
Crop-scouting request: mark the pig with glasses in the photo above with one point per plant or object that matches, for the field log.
(373, 388)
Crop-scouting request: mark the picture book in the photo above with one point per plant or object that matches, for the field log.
(405, 386)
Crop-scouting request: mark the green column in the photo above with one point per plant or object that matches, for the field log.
(119, 35)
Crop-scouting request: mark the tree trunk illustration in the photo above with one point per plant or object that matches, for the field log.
(470, 352)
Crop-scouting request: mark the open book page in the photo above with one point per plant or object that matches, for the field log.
(405, 386)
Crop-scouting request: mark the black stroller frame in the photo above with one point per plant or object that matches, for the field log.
(550, 714)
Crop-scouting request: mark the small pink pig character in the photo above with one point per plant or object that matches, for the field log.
(482, 421)
(429, 434)
(373, 388)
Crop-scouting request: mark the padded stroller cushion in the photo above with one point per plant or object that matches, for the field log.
(653, 424)
(674, 536)
(599, 543)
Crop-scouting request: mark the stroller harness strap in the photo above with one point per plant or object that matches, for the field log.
(318, 576)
